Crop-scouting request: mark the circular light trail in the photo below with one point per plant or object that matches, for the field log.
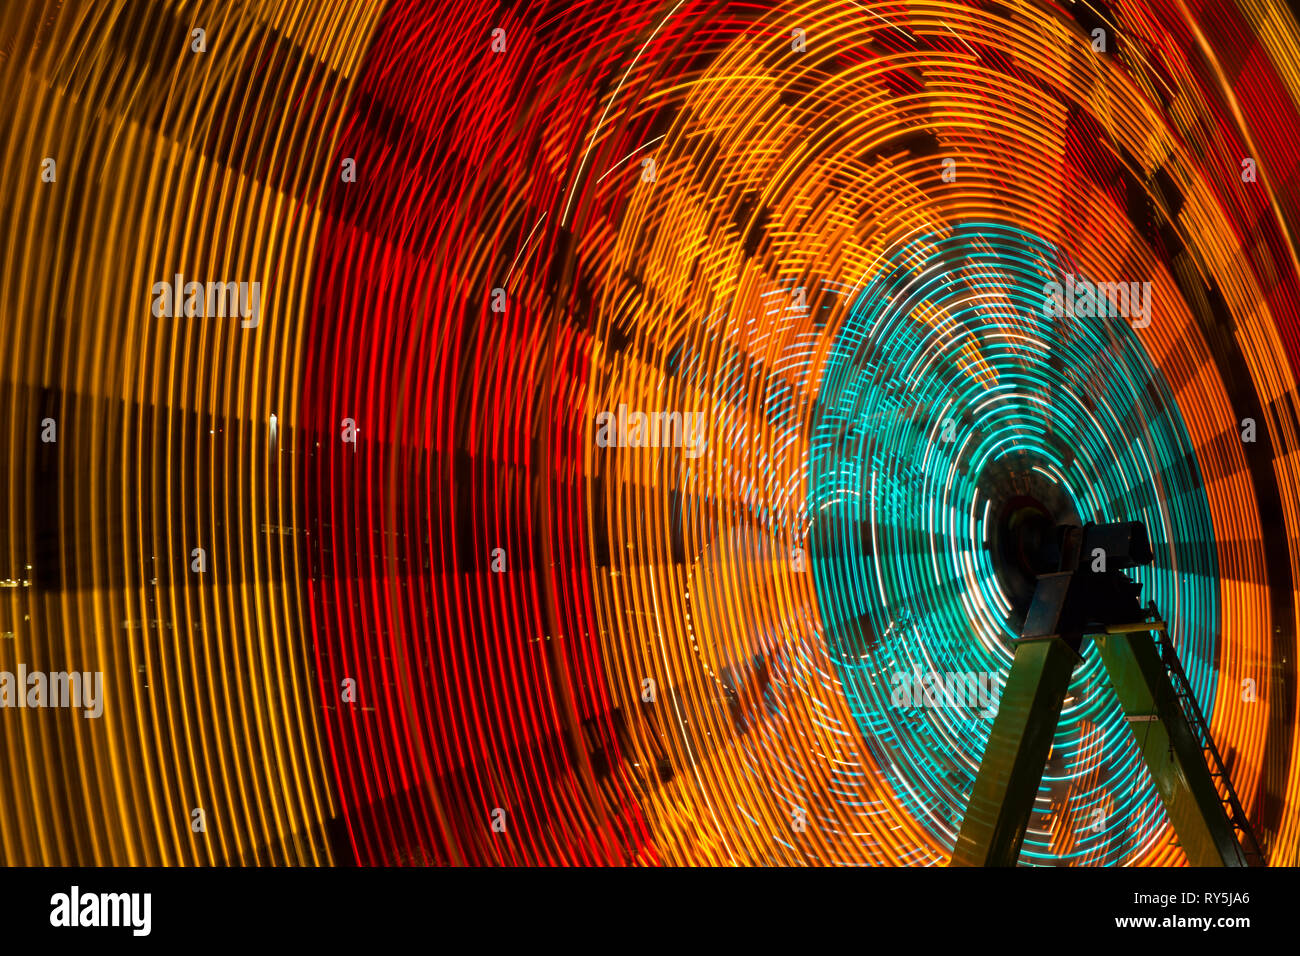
(637, 391)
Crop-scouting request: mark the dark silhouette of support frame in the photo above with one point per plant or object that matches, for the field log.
(1091, 596)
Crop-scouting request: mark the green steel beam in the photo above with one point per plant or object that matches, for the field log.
(1170, 748)
(1002, 799)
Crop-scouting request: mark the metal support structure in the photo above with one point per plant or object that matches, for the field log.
(1168, 727)
(1177, 747)
(1003, 798)
(1081, 598)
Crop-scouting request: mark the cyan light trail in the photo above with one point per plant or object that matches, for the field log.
(951, 392)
